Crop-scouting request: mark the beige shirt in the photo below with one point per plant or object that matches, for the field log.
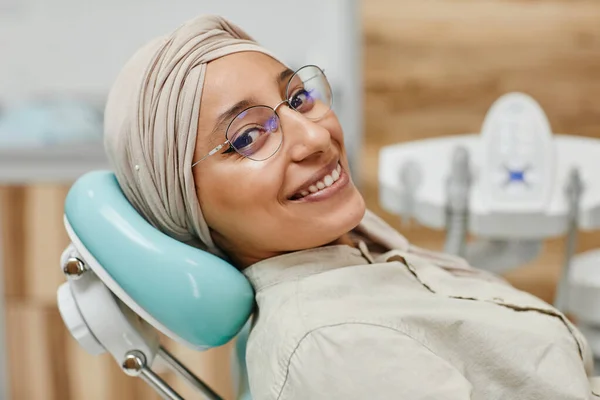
(348, 323)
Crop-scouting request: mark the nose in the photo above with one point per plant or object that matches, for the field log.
(303, 138)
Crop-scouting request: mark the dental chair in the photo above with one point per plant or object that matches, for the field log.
(126, 280)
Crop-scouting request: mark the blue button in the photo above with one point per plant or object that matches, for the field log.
(516, 176)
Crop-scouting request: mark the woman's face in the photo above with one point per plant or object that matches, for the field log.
(255, 209)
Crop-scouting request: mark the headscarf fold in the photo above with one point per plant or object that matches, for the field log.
(151, 122)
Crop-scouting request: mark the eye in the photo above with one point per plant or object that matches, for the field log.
(246, 138)
(302, 100)
(249, 140)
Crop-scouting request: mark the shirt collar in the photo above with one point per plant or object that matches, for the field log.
(299, 264)
(303, 263)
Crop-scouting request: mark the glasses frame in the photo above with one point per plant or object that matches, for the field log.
(274, 109)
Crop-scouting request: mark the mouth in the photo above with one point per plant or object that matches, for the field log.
(323, 184)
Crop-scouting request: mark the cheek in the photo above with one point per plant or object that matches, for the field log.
(332, 124)
(243, 194)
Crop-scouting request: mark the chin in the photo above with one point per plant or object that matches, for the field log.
(355, 212)
(342, 220)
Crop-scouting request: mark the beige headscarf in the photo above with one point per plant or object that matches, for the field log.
(151, 121)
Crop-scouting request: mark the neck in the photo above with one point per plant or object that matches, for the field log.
(344, 239)
(242, 259)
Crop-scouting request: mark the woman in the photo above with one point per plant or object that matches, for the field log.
(220, 145)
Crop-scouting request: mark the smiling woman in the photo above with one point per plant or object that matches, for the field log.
(272, 155)
(220, 145)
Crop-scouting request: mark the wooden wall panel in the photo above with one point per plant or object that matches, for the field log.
(36, 349)
(46, 239)
(12, 237)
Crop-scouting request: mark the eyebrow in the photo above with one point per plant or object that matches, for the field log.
(225, 118)
(284, 75)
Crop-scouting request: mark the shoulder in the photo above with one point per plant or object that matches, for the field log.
(357, 360)
(294, 331)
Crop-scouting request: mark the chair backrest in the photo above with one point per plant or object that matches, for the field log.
(190, 295)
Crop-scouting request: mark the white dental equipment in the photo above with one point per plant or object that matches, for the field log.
(514, 193)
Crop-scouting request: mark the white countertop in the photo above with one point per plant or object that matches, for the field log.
(59, 164)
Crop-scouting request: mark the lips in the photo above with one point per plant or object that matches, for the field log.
(326, 177)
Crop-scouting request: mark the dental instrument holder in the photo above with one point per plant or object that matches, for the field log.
(116, 329)
(508, 192)
(493, 255)
(457, 213)
(573, 191)
(410, 177)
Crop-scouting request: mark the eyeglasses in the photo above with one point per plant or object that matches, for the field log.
(256, 132)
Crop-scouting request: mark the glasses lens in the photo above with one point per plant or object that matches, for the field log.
(309, 93)
(255, 133)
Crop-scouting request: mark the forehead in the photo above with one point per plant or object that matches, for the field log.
(237, 76)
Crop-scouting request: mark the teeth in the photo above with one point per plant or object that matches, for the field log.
(327, 181)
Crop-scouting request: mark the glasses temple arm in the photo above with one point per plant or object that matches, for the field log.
(210, 153)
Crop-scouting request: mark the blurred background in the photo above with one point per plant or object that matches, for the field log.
(401, 71)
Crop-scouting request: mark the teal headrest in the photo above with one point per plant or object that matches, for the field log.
(188, 294)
